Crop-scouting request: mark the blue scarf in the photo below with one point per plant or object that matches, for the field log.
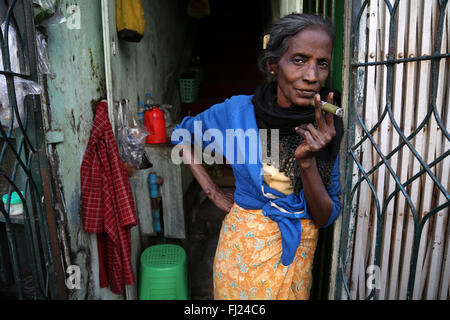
(287, 212)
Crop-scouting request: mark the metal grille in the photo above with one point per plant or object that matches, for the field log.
(396, 195)
(22, 157)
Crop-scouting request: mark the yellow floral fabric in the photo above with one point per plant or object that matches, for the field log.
(247, 263)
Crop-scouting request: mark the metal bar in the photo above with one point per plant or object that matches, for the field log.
(14, 74)
(435, 67)
(12, 245)
(5, 52)
(30, 223)
(9, 80)
(417, 235)
(392, 172)
(389, 102)
(348, 211)
(28, 137)
(352, 187)
(390, 154)
(39, 179)
(410, 180)
(405, 140)
(395, 61)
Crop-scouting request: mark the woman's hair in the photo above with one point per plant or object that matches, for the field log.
(280, 33)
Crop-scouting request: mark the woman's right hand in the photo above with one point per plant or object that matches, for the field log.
(315, 139)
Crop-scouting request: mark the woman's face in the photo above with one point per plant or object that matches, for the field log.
(304, 67)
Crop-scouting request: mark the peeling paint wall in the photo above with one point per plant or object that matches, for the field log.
(154, 64)
(76, 56)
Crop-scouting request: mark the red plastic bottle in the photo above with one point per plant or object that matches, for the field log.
(156, 126)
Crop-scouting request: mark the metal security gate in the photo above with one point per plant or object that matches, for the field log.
(394, 238)
(27, 250)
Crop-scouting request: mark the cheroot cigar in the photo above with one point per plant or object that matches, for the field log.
(330, 108)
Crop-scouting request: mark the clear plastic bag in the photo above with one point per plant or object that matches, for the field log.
(130, 137)
(43, 64)
(23, 88)
(48, 12)
(13, 49)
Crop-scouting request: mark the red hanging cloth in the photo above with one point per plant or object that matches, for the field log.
(108, 204)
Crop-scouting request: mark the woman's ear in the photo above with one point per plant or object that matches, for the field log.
(271, 67)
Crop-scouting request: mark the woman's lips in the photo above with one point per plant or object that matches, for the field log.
(306, 93)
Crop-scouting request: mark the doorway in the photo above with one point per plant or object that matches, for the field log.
(225, 50)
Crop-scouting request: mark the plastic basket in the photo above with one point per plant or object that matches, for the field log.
(189, 86)
(163, 274)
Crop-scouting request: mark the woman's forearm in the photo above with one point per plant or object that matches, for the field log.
(221, 199)
(198, 171)
(320, 204)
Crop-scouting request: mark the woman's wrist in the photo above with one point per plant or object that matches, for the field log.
(306, 164)
(211, 190)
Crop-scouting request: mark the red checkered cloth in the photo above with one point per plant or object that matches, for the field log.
(108, 204)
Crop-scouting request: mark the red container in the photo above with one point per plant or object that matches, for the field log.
(156, 126)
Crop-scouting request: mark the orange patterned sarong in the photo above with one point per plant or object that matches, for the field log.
(247, 263)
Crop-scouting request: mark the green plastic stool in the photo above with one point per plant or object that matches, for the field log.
(163, 274)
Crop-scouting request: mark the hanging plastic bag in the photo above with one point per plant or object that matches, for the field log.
(130, 20)
(199, 9)
(44, 9)
(130, 138)
(43, 64)
(23, 88)
(13, 50)
(48, 12)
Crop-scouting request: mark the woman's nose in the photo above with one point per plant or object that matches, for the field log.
(311, 73)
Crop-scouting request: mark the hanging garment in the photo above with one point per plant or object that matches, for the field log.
(130, 20)
(108, 204)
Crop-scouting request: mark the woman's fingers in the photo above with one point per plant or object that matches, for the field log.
(319, 113)
(329, 117)
(322, 137)
(324, 120)
(330, 97)
(223, 200)
(317, 138)
(312, 144)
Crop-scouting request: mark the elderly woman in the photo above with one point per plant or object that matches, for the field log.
(268, 238)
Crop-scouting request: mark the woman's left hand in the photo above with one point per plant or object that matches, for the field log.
(222, 199)
(315, 139)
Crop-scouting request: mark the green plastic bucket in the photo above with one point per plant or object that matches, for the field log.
(163, 274)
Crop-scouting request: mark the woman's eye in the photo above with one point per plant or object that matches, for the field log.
(298, 60)
(323, 64)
